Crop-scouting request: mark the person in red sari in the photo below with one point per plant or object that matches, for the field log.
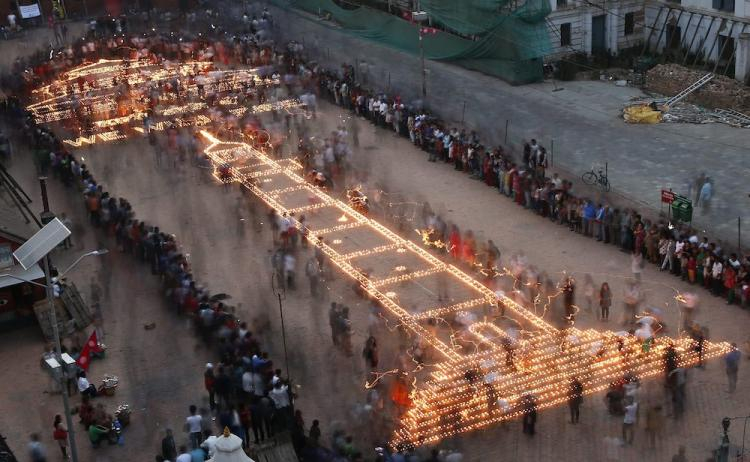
(400, 394)
(454, 243)
(517, 190)
(490, 177)
(469, 249)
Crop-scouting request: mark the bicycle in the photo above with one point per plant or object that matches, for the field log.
(593, 178)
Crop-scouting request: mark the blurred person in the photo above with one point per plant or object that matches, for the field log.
(605, 301)
(631, 299)
(194, 428)
(528, 406)
(575, 399)
(370, 352)
(168, 448)
(654, 424)
(184, 455)
(60, 434)
(588, 292)
(37, 452)
(732, 363)
(629, 421)
(680, 456)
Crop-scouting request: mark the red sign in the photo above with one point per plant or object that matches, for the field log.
(667, 196)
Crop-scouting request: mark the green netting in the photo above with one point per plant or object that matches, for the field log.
(507, 45)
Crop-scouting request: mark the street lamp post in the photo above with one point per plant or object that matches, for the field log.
(424, 70)
(58, 354)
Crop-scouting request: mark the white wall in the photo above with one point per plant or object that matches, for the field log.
(700, 36)
(579, 16)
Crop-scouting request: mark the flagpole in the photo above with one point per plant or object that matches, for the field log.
(56, 333)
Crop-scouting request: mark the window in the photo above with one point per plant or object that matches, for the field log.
(629, 23)
(565, 35)
(562, 4)
(723, 5)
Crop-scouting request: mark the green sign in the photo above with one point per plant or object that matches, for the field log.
(682, 209)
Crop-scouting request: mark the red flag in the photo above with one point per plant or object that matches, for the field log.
(92, 346)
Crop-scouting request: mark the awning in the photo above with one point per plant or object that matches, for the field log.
(17, 274)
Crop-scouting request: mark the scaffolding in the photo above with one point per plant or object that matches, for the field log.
(497, 37)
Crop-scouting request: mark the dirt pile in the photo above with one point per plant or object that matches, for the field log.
(720, 93)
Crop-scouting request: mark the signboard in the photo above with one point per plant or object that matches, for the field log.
(667, 196)
(29, 11)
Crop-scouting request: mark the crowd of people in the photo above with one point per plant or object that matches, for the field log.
(524, 178)
(246, 392)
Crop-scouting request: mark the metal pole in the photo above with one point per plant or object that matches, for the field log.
(283, 337)
(56, 333)
(651, 31)
(507, 122)
(690, 47)
(703, 43)
(687, 28)
(723, 47)
(424, 70)
(744, 429)
(722, 454)
(661, 33)
(739, 236)
(716, 39)
(552, 151)
(41, 12)
(676, 25)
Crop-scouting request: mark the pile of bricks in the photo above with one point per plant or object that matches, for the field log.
(720, 93)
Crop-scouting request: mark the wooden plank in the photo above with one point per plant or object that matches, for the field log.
(281, 451)
(79, 311)
(64, 324)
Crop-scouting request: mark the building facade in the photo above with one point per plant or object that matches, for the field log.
(595, 26)
(714, 34)
(711, 33)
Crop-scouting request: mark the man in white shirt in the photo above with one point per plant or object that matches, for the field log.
(248, 382)
(84, 387)
(534, 149)
(280, 395)
(194, 427)
(716, 276)
(628, 422)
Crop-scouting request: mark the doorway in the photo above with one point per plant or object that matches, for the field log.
(599, 34)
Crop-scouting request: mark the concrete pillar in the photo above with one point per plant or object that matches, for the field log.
(742, 57)
(613, 18)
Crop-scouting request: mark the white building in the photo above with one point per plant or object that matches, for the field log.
(595, 26)
(711, 33)
(715, 33)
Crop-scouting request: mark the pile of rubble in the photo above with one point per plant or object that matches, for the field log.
(720, 93)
